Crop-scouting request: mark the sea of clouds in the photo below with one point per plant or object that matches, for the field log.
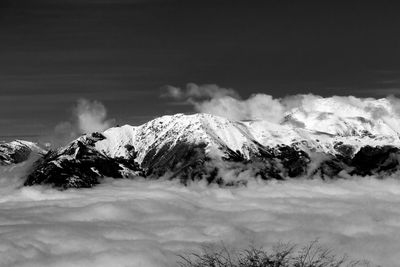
(148, 223)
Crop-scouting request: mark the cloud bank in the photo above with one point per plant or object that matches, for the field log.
(87, 117)
(227, 103)
(147, 223)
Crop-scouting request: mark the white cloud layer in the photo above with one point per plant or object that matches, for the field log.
(146, 223)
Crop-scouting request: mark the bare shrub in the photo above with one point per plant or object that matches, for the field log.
(282, 255)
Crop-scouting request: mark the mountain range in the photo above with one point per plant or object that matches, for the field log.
(218, 150)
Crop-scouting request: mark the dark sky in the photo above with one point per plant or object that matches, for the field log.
(122, 52)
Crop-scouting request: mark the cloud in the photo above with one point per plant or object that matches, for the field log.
(194, 92)
(210, 98)
(91, 116)
(308, 111)
(87, 117)
(256, 107)
(147, 223)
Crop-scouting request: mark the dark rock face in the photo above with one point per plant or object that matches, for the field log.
(279, 162)
(375, 160)
(269, 163)
(295, 161)
(367, 161)
(183, 159)
(82, 168)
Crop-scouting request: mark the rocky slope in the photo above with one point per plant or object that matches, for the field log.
(17, 151)
(203, 146)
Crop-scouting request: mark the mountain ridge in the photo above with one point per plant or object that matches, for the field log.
(18, 151)
(204, 146)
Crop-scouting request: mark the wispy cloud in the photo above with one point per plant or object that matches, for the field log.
(194, 92)
(87, 117)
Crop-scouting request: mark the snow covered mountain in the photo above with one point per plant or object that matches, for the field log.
(17, 151)
(203, 146)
